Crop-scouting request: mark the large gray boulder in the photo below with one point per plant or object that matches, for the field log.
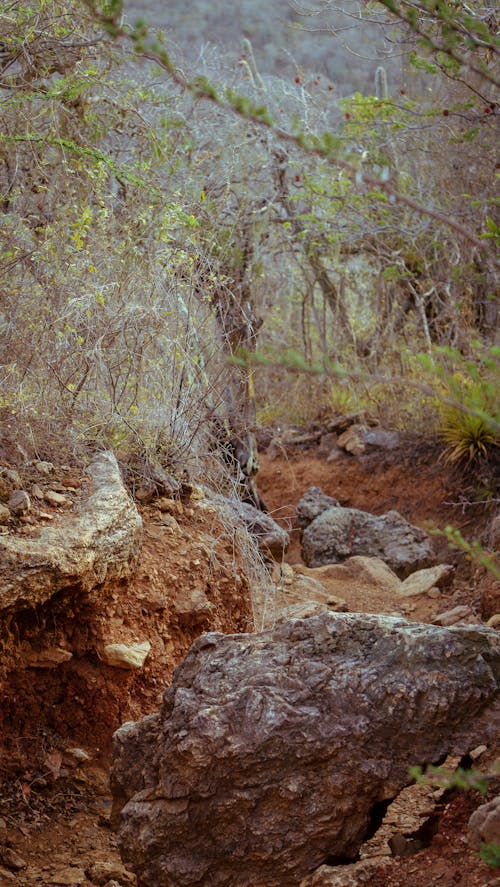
(313, 503)
(272, 751)
(99, 543)
(339, 533)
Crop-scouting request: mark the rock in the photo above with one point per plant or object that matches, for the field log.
(51, 657)
(424, 581)
(4, 515)
(358, 873)
(56, 499)
(37, 492)
(339, 533)
(76, 756)
(7, 877)
(19, 503)
(270, 537)
(494, 621)
(276, 747)
(313, 503)
(12, 477)
(450, 617)
(129, 656)
(304, 610)
(69, 875)
(100, 543)
(353, 440)
(379, 439)
(44, 468)
(193, 604)
(484, 824)
(102, 872)
(493, 534)
(12, 860)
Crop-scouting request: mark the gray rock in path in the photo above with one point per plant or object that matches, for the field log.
(99, 543)
(484, 824)
(272, 750)
(313, 503)
(270, 537)
(339, 533)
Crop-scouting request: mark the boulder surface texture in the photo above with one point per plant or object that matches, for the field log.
(338, 533)
(101, 542)
(271, 751)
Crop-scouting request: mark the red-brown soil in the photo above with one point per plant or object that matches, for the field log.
(54, 808)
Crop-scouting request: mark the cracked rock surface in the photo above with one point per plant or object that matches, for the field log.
(272, 751)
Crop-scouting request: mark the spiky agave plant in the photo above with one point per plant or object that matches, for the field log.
(468, 437)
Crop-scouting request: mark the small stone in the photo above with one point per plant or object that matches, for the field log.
(170, 506)
(129, 656)
(45, 468)
(56, 499)
(104, 872)
(494, 621)
(78, 755)
(168, 520)
(46, 516)
(4, 515)
(13, 477)
(450, 617)
(193, 603)
(478, 751)
(12, 860)
(36, 491)
(7, 877)
(70, 875)
(19, 503)
(145, 494)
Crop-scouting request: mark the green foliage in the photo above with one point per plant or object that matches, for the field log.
(490, 854)
(460, 778)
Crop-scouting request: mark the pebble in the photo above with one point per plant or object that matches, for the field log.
(4, 514)
(130, 656)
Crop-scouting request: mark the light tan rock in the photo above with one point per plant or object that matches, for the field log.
(56, 499)
(423, 581)
(450, 617)
(37, 492)
(101, 872)
(129, 656)
(494, 621)
(192, 603)
(353, 440)
(4, 515)
(51, 657)
(44, 468)
(99, 543)
(69, 875)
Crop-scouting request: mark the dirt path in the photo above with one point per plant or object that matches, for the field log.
(54, 822)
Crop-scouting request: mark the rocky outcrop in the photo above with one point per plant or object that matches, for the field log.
(99, 543)
(272, 751)
(339, 533)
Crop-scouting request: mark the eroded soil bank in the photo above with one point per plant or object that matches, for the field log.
(54, 803)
